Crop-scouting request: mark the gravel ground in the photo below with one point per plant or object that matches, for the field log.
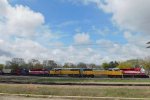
(26, 98)
(77, 86)
(31, 98)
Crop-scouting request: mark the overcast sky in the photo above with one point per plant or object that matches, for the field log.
(90, 31)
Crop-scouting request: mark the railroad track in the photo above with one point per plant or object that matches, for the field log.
(65, 77)
(79, 84)
(74, 81)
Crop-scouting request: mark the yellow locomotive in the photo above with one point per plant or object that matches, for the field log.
(84, 72)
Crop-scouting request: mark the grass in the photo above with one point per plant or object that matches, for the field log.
(93, 91)
(30, 79)
(92, 80)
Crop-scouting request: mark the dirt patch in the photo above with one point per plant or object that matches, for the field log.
(27, 98)
(76, 86)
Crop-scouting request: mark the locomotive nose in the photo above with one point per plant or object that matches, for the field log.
(142, 70)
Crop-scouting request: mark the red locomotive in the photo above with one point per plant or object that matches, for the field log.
(137, 72)
(38, 71)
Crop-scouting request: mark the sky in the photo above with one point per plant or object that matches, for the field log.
(89, 31)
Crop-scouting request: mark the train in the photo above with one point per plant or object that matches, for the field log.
(80, 72)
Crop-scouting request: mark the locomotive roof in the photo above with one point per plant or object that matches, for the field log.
(72, 68)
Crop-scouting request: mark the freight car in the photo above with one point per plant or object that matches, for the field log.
(21, 71)
(6, 71)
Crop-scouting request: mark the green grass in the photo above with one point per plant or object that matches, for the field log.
(94, 91)
(92, 80)
(68, 80)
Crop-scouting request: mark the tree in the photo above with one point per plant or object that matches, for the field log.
(134, 62)
(124, 65)
(50, 64)
(38, 65)
(113, 64)
(1, 66)
(99, 67)
(66, 65)
(110, 65)
(59, 65)
(69, 65)
(92, 65)
(105, 65)
(16, 63)
(34, 63)
(81, 65)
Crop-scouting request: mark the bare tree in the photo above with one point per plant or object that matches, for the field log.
(16, 63)
(69, 65)
(49, 64)
(34, 63)
(81, 65)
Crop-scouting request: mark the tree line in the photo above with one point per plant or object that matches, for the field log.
(18, 63)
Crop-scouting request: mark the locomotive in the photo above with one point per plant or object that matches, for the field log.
(138, 72)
